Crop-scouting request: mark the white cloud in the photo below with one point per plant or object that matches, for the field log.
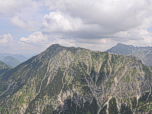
(5, 39)
(8, 7)
(38, 42)
(91, 24)
(36, 38)
(18, 22)
(59, 22)
(29, 25)
(70, 27)
(102, 18)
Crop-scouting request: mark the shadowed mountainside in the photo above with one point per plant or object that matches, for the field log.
(3, 67)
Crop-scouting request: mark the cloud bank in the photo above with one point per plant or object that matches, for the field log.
(103, 18)
(96, 25)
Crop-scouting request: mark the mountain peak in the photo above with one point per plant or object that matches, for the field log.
(54, 46)
(64, 79)
(120, 44)
(119, 49)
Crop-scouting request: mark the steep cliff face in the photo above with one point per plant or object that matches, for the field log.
(77, 81)
(143, 53)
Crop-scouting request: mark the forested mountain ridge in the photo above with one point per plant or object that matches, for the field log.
(70, 80)
(3, 67)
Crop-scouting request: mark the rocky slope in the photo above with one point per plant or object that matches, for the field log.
(72, 80)
(143, 53)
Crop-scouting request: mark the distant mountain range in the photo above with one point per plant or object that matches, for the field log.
(143, 53)
(68, 80)
(12, 60)
(19, 57)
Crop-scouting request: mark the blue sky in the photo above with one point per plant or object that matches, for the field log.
(31, 26)
(7, 27)
(149, 29)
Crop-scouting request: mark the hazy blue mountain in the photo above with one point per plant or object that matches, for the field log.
(19, 57)
(68, 80)
(143, 53)
(11, 61)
